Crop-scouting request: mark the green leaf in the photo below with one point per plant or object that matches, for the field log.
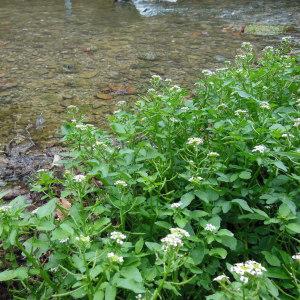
(243, 94)
(197, 254)
(271, 259)
(186, 199)
(153, 246)
(130, 284)
(271, 288)
(294, 227)
(245, 175)
(47, 209)
(110, 292)
(163, 224)
(275, 272)
(243, 204)
(99, 295)
(218, 252)
(139, 246)
(207, 195)
(280, 165)
(132, 273)
(20, 273)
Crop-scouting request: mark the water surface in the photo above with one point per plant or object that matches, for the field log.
(61, 52)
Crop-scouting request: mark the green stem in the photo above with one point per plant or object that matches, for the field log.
(35, 263)
(159, 288)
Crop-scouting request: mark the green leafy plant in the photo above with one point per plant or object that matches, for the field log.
(184, 198)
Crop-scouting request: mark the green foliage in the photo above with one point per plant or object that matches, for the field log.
(182, 190)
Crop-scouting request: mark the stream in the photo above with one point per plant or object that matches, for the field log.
(62, 52)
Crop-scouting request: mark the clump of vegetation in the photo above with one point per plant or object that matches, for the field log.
(183, 199)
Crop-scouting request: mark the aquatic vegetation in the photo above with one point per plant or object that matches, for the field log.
(185, 197)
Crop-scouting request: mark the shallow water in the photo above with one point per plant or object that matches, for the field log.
(61, 52)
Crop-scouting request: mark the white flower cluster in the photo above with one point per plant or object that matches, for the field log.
(184, 109)
(240, 112)
(139, 297)
(260, 148)
(195, 141)
(247, 46)
(248, 268)
(175, 88)
(121, 183)
(174, 120)
(287, 135)
(222, 105)
(79, 178)
(207, 72)
(268, 49)
(121, 103)
(264, 105)
(210, 227)
(117, 236)
(195, 179)
(115, 258)
(221, 278)
(174, 239)
(297, 122)
(62, 241)
(287, 39)
(296, 256)
(176, 205)
(84, 126)
(5, 208)
(82, 238)
(213, 154)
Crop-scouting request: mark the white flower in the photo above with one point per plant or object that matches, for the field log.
(174, 120)
(63, 240)
(260, 148)
(207, 72)
(121, 103)
(175, 88)
(195, 179)
(35, 211)
(79, 178)
(171, 241)
(5, 208)
(268, 49)
(240, 112)
(121, 183)
(156, 79)
(84, 126)
(176, 205)
(151, 90)
(184, 109)
(84, 239)
(265, 105)
(168, 80)
(287, 135)
(72, 107)
(210, 227)
(117, 236)
(287, 39)
(244, 279)
(115, 258)
(139, 297)
(179, 232)
(54, 270)
(247, 46)
(222, 277)
(116, 111)
(221, 69)
(246, 269)
(296, 256)
(222, 105)
(213, 154)
(195, 141)
(297, 122)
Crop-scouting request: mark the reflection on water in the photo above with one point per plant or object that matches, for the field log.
(68, 6)
(48, 61)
